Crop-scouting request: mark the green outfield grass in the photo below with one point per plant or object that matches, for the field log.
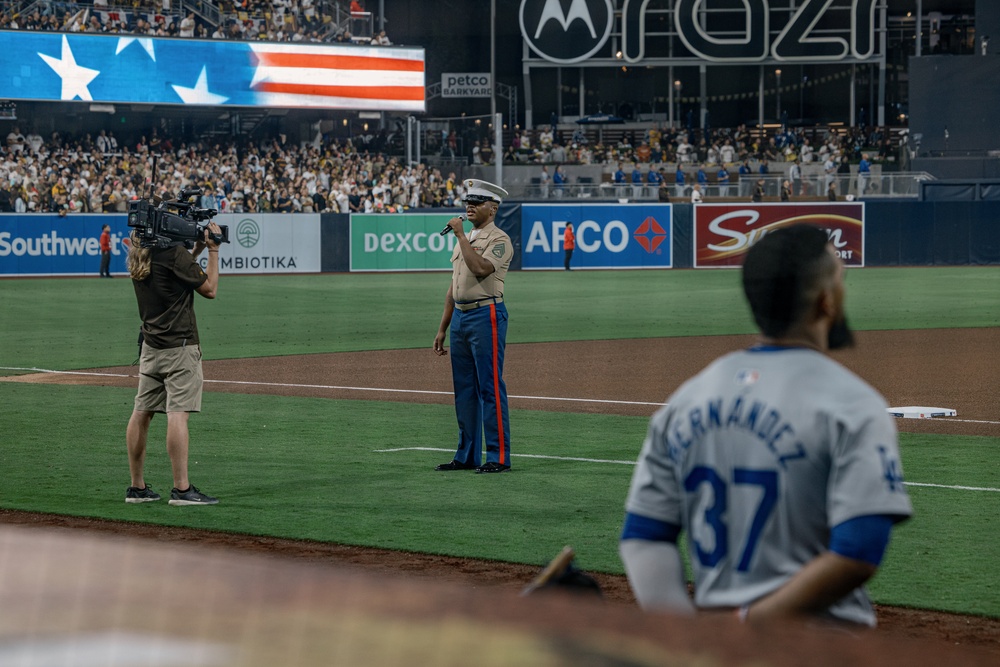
(86, 323)
(307, 468)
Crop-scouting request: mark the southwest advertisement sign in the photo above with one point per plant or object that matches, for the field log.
(49, 245)
(608, 236)
(724, 232)
(269, 243)
(401, 242)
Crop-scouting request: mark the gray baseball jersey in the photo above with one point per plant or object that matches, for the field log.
(757, 458)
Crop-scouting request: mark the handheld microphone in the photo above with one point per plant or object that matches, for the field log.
(447, 228)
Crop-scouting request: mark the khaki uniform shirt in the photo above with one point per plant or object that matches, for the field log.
(492, 243)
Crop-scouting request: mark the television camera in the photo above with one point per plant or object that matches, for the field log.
(161, 224)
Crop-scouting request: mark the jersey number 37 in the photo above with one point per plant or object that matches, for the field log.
(767, 480)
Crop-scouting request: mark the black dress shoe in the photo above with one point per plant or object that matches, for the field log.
(492, 466)
(455, 465)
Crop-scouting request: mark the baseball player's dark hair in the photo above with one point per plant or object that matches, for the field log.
(782, 274)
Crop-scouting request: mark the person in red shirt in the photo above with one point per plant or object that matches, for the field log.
(106, 251)
(359, 15)
(569, 243)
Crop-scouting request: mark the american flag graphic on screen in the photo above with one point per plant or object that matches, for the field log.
(356, 77)
(146, 70)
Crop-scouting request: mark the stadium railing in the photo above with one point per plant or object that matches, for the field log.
(894, 185)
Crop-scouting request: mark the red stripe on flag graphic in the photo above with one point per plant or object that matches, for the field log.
(295, 75)
(358, 92)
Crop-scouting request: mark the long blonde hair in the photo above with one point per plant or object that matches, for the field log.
(139, 259)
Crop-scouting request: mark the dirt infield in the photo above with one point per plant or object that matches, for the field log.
(941, 368)
(952, 368)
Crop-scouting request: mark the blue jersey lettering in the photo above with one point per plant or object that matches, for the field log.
(761, 421)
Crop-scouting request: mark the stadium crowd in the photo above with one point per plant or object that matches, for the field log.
(96, 174)
(246, 20)
(690, 146)
(328, 174)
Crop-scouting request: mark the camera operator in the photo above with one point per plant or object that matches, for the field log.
(170, 375)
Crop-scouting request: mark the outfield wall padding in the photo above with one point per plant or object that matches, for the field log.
(335, 251)
(940, 233)
(897, 233)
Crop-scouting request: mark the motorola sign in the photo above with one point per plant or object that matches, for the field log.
(795, 43)
(564, 32)
(746, 31)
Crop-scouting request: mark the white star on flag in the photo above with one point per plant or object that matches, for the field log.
(199, 94)
(145, 42)
(74, 78)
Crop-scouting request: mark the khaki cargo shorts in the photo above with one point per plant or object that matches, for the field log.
(170, 380)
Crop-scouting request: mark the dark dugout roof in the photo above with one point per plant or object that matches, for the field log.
(946, 7)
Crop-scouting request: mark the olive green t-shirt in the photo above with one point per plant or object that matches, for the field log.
(166, 298)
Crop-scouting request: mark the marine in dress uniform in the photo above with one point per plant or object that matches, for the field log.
(474, 309)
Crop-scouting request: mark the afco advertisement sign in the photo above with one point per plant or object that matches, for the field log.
(49, 245)
(724, 232)
(608, 236)
(401, 242)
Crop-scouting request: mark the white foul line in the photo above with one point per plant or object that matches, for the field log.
(291, 385)
(525, 456)
(434, 449)
(632, 463)
(945, 486)
(47, 370)
(338, 387)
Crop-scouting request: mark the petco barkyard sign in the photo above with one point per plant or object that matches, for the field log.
(466, 84)
(749, 31)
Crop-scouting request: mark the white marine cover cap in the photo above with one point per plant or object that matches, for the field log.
(476, 188)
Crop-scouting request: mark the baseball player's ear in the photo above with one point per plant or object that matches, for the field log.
(826, 303)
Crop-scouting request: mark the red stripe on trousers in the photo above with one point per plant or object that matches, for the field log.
(496, 380)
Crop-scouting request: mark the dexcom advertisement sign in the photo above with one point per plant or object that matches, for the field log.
(395, 242)
(724, 232)
(608, 236)
(50, 245)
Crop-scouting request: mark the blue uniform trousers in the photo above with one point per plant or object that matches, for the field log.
(478, 338)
